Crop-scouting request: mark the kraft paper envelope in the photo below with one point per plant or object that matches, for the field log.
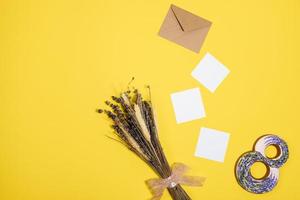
(184, 28)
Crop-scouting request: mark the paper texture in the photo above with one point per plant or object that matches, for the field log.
(188, 105)
(184, 28)
(210, 72)
(212, 144)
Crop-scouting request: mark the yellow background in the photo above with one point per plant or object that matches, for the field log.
(59, 60)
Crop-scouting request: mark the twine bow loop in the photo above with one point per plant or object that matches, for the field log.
(158, 185)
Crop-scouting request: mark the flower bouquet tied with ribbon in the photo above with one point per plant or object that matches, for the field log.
(134, 124)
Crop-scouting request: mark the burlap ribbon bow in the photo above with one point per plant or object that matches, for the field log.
(157, 185)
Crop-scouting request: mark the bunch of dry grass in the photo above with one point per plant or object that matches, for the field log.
(134, 123)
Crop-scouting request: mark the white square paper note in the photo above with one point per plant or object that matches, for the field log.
(212, 144)
(210, 72)
(188, 105)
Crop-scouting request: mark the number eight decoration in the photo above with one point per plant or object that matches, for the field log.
(269, 181)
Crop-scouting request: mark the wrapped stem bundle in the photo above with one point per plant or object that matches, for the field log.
(134, 124)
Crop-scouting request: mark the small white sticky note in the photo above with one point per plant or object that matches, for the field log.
(210, 72)
(212, 144)
(188, 105)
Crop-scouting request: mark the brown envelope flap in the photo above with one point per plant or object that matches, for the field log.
(188, 21)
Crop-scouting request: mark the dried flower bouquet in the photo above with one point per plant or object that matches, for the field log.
(134, 124)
